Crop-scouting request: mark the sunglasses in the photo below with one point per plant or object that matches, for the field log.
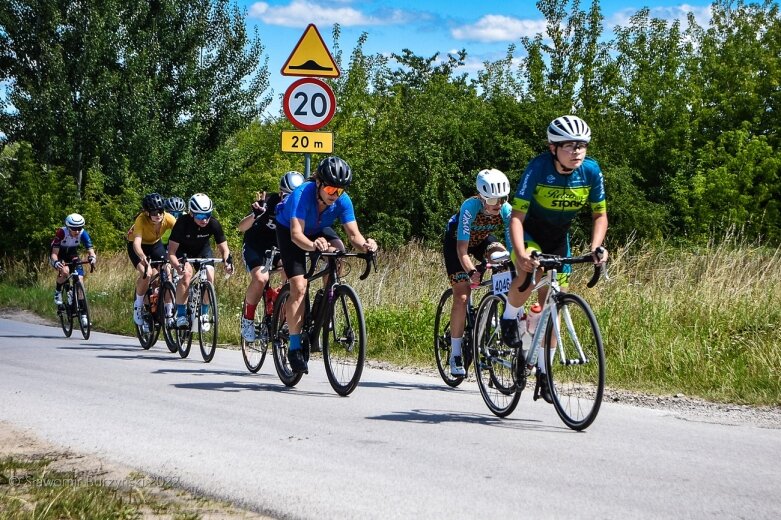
(333, 190)
(573, 147)
(75, 228)
(494, 201)
(155, 213)
(203, 216)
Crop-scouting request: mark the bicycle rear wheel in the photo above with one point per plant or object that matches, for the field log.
(254, 352)
(166, 309)
(280, 338)
(208, 320)
(442, 339)
(495, 362)
(82, 308)
(576, 367)
(65, 312)
(344, 340)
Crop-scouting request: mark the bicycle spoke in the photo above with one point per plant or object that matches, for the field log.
(344, 341)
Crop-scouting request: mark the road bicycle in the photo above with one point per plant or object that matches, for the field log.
(74, 300)
(254, 352)
(335, 317)
(442, 339)
(574, 353)
(201, 312)
(158, 312)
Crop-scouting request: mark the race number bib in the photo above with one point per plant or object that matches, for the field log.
(501, 282)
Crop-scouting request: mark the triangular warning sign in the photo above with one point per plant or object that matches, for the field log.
(311, 57)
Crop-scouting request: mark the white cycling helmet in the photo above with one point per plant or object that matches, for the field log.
(200, 203)
(74, 220)
(492, 184)
(290, 181)
(568, 128)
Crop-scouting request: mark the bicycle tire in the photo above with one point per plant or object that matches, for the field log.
(344, 340)
(208, 339)
(166, 315)
(494, 362)
(254, 352)
(576, 387)
(147, 337)
(184, 336)
(82, 307)
(280, 340)
(442, 339)
(65, 312)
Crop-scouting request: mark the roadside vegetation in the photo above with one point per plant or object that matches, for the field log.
(698, 321)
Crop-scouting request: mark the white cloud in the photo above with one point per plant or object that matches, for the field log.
(670, 14)
(497, 28)
(300, 12)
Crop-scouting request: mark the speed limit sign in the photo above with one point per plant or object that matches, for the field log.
(309, 103)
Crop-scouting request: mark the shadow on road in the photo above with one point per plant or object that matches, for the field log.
(55, 336)
(445, 416)
(232, 386)
(407, 386)
(100, 346)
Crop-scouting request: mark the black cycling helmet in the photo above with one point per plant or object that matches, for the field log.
(334, 171)
(174, 204)
(153, 202)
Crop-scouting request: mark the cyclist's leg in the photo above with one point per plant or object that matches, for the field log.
(255, 263)
(294, 263)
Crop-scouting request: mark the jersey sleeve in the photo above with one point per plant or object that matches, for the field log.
(505, 212)
(177, 232)
(219, 234)
(525, 191)
(85, 239)
(466, 215)
(597, 193)
(59, 236)
(346, 209)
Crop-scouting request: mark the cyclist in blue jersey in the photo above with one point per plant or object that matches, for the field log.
(304, 224)
(64, 248)
(470, 232)
(555, 186)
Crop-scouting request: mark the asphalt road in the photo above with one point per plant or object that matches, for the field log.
(401, 446)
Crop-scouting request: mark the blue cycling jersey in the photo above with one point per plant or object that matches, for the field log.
(302, 204)
(473, 225)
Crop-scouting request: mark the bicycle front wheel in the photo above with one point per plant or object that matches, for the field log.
(208, 321)
(495, 362)
(442, 338)
(166, 308)
(254, 352)
(147, 332)
(576, 365)
(82, 309)
(280, 339)
(65, 312)
(344, 340)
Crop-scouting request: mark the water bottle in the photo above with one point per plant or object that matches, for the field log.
(316, 304)
(523, 327)
(153, 300)
(271, 297)
(533, 318)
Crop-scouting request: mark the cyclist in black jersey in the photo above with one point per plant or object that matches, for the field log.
(260, 235)
(190, 236)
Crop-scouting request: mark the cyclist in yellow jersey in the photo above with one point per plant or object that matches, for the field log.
(144, 240)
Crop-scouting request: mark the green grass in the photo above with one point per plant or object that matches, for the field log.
(702, 322)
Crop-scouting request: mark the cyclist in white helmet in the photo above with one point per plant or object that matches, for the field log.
(555, 186)
(190, 236)
(470, 232)
(64, 248)
(259, 228)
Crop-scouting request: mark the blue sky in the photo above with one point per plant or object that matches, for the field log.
(483, 28)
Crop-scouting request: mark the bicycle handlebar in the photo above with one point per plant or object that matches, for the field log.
(557, 262)
(369, 258)
(149, 262)
(75, 263)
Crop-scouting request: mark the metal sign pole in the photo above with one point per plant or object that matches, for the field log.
(307, 164)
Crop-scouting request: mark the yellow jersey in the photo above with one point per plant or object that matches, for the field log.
(144, 227)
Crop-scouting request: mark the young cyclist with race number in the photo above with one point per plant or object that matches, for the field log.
(64, 248)
(303, 224)
(470, 232)
(556, 185)
(260, 235)
(190, 237)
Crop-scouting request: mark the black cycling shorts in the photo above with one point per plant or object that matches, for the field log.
(154, 251)
(293, 257)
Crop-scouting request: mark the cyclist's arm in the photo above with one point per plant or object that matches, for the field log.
(246, 222)
(357, 239)
(516, 237)
(462, 248)
(222, 247)
(172, 248)
(298, 237)
(54, 257)
(598, 232)
(137, 249)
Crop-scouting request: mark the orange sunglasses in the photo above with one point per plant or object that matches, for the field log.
(333, 190)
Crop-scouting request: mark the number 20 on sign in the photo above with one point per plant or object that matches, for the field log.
(307, 142)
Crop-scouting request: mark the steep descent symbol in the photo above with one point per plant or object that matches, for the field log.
(311, 57)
